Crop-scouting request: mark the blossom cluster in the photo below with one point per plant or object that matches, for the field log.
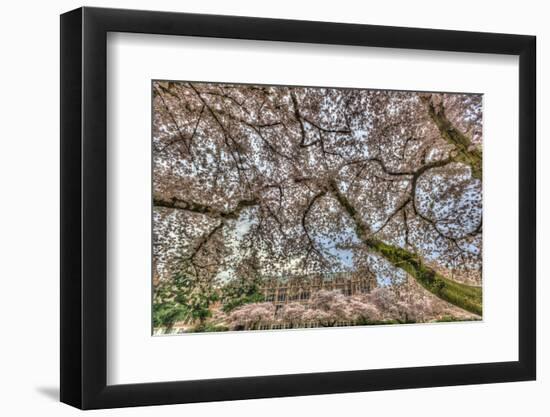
(327, 308)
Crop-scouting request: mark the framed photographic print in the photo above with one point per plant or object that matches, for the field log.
(257, 208)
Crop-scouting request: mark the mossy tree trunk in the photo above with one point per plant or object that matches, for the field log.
(465, 152)
(467, 297)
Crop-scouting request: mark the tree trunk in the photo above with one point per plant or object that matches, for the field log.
(466, 153)
(467, 297)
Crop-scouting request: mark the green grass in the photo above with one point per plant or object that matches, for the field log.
(208, 327)
(449, 319)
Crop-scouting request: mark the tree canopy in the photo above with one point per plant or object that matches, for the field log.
(252, 179)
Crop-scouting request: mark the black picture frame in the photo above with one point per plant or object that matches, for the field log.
(84, 207)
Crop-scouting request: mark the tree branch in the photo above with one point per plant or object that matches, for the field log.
(466, 152)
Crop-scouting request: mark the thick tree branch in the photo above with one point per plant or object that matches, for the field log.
(464, 296)
(177, 203)
(466, 152)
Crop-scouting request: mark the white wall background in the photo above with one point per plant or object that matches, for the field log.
(29, 219)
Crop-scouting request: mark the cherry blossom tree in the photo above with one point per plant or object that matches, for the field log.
(363, 311)
(318, 180)
(250, 316)
(328, 308)
(293, 313)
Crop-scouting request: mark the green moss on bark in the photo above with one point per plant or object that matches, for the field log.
(465, 152)
(467, 297)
